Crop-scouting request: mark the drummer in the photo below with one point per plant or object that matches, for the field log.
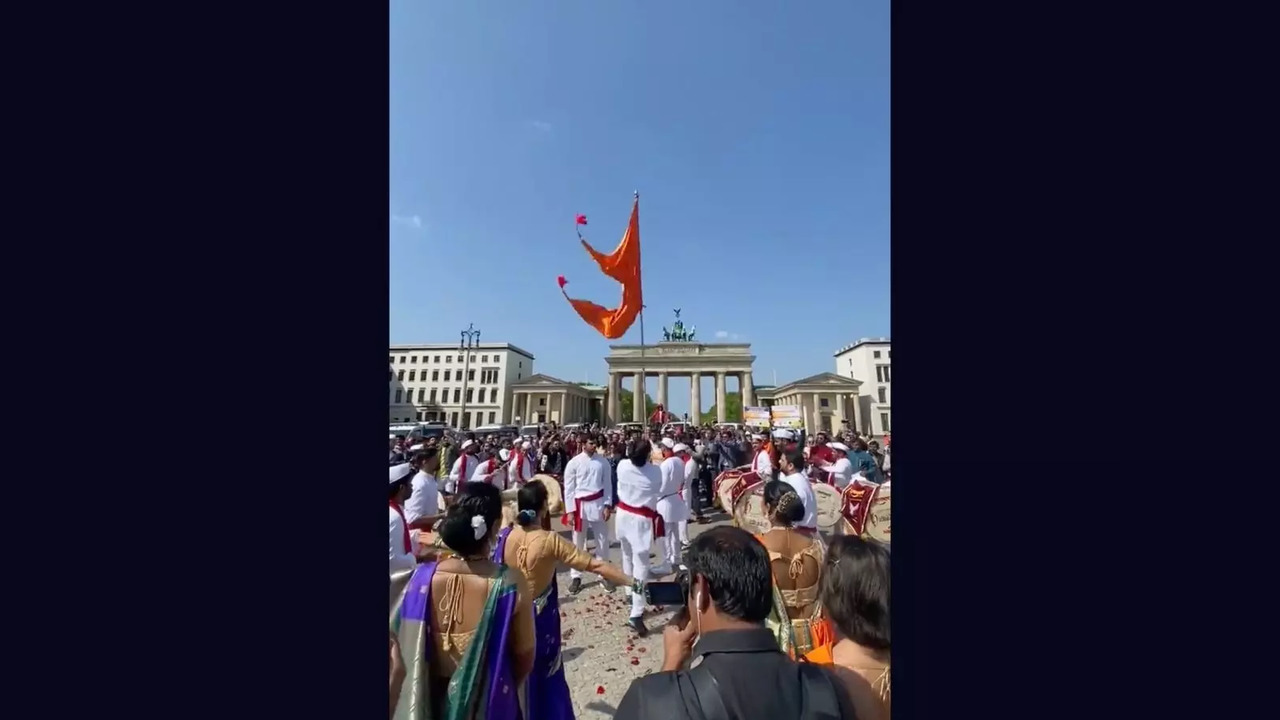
(841, 469)
(760, 462)
(521, 465)
(791, 464)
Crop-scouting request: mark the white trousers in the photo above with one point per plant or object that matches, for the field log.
(635, 535)
(675, 513)
(598, 529)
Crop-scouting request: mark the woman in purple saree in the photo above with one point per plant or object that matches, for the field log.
(465, 623)
(536, 553)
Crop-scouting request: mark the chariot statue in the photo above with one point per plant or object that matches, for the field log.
(677, 333)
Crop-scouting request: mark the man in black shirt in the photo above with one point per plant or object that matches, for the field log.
(735, 669)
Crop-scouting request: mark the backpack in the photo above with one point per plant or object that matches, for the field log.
(702, 700)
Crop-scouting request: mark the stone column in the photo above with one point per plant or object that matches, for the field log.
(662, 390)
(856, 420)
(817, 412)
(528, 409)
(839, 410)
(548, 410)
(611, 398)
(695, 398)
(637, 398)
(720, 393)
(748, 389)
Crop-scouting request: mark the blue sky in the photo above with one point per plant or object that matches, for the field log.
(757, 134)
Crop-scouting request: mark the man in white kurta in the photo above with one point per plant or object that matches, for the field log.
(588, 495)
(492, 471)
(760, 462)
(841, 470)
(520, 468)
(671, 507)
(464, 468)
(792, 462)
(691, 485)
(638, 524)
(403, 550)
(422, 509)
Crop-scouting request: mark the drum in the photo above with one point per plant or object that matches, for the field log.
(748, 505)
(730, 485)
(555, 494)
(855, 502)
(877, 523)
(830, 502)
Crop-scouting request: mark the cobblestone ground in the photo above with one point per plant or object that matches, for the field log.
(601, 653)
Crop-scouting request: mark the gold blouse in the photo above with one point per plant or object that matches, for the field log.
(537, 553)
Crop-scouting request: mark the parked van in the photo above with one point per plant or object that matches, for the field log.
(504, 432)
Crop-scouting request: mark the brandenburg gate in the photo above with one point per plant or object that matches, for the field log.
(677, 355)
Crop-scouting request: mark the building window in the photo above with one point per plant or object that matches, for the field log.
(392, 360)
(542, 402)
(413, 359)
(881, 392)
(479, 419)
(435, 358)
(517, 376)
(471, 375)
(453, 419)
(875, 354)
(400, 375)
(446, 375)
(459, 358)
(824, 402)
(882, 373)
(433, 396)
(470, 393)
(401, 359)
(521, 364)
(484, 358)
(435, 375)
(422, 393)
(448, 359)
(473, 358)
(457, 395)
(850, 362)
(888, 354)
(884, 422)
(399, 393)
(412, 373)
(493, 395)
(493, 417)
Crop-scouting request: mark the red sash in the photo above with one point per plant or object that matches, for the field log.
(577, 508)
(462, 471)
(520, 466)
(408, 547)
(659, 527)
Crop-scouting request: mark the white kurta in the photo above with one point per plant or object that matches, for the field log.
(425, 499)
(585, 476)
(524, 473)
(841, 472)
(491, 471)
(400, 560)
(455, 473)
(671, 506)
(761, 465)
(637, 487)
(801, 485)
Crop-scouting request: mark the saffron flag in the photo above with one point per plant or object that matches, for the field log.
(623, 265)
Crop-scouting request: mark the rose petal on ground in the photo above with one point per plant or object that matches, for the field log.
(599, 689)
(635, 661)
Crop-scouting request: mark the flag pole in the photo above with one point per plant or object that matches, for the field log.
(644, 380)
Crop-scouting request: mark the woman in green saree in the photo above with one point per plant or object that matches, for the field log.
(465, 623)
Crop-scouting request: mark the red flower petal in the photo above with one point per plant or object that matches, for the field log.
(635, 661)
(599, 689)
(643, 649)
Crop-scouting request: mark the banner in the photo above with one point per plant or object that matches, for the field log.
(756, 417)
(787, 416)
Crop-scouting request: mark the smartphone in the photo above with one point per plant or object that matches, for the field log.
(665, 593)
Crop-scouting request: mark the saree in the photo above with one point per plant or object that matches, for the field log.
(547, 692)
(797, 636)
(483, 688)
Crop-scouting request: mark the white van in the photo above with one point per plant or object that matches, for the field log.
(503, 431)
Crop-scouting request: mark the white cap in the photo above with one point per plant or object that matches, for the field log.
(668, 443)
(784, 434)
(400, 472)
(417, 447)
(525, 445)
(504, 454)
(467, 443)
(838, 446)
(680, 447)
(757, 436)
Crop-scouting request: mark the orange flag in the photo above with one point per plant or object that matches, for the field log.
(623, 265)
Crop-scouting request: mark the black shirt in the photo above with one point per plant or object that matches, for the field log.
(756, 680)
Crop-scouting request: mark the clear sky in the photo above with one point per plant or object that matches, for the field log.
(757, 134)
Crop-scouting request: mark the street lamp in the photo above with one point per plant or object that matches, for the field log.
(470, 340)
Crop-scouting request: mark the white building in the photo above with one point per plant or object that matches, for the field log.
(428, 382)
(869, 360)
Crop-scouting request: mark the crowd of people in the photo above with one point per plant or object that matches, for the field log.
(475, 610)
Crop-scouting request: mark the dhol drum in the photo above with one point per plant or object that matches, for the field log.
(555, 501)
(877, 523)
(829, 504)
(730, 484)
(865, 510)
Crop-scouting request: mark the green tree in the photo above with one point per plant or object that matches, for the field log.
(732, 409)
(627, 404)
